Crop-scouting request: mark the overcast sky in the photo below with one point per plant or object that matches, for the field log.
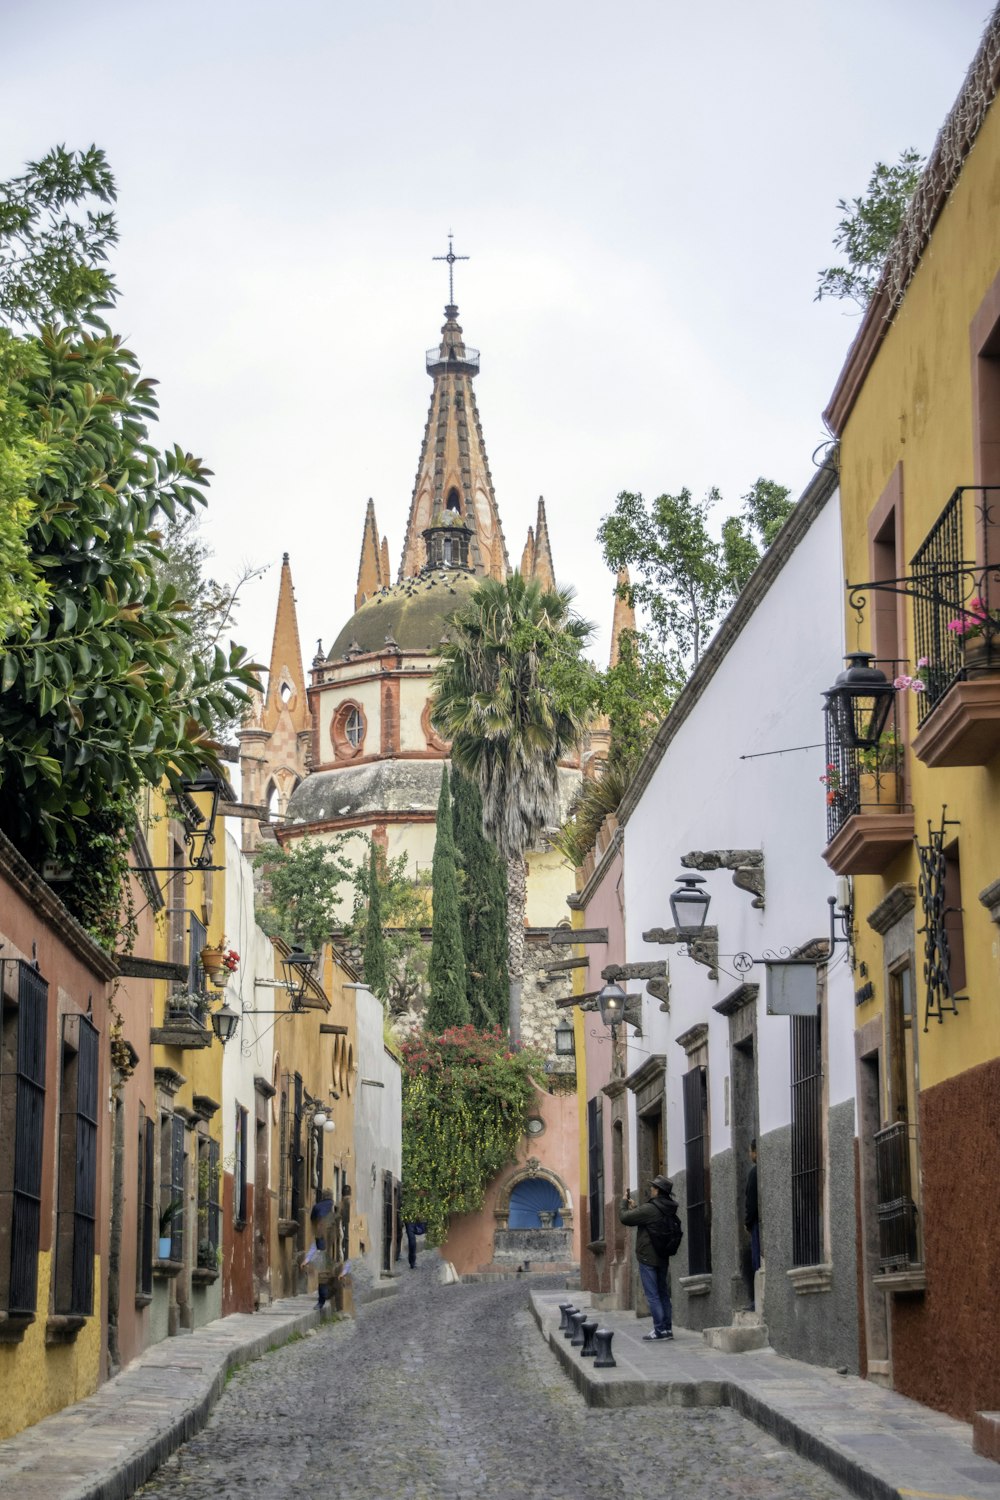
(647, 190)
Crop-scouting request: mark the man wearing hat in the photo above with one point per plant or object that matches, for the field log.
(658, 1236)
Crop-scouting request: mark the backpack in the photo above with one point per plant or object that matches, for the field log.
(667, 1235)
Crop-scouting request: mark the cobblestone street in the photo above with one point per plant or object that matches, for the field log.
(448, 1391)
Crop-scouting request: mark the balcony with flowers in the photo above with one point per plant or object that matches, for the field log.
(868, 821)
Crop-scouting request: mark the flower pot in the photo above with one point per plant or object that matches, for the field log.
(165, 1243)
(879, 789)
(976, 653)
(211, 962)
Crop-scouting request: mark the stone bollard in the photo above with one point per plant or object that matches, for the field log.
(589, 1329)
(577, 1319)
(568, 1330)
(605, 1360)
(564, 1308)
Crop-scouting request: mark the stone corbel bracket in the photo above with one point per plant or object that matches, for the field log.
(990, 898)
(704, 950)
(747, 866)
(656, 973)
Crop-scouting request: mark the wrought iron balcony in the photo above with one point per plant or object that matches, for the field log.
(866, 819)
(897, 1212)
(456, 356)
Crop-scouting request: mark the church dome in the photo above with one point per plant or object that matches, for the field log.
(412, 613)
(374, 789)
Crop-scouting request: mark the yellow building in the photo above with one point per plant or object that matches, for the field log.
(914, 818)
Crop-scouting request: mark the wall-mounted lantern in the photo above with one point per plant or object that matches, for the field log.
(199, 822)
(860, 701)
(565, 1041)
(224, 1023)
(689, 906)
(611, 1003)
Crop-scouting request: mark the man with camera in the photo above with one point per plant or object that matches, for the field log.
(658, 1237)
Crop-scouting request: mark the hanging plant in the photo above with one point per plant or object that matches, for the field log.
(466, 1100)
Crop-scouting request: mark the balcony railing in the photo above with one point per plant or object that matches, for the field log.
(956, 597)
(455, 354)
(859, 781)
(897, 1212)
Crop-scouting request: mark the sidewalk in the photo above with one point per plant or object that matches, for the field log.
(105, 1446)
(878, 1444)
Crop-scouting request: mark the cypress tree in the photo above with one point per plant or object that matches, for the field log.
(483, 899)
(447, 1005)
(376, 977)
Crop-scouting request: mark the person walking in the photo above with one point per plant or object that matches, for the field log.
(752, 1222)
(658, 1236)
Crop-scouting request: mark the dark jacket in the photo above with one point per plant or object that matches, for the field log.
(656, 1211)
(752, 1211)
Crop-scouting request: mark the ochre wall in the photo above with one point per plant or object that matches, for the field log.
(37, 1380)
(944, 1344)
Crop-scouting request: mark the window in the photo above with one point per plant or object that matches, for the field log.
(209, 1215)
(595, 1151)
(897, 1162)
(173, 1164)
(284, 1152)
(807, 1140)
(953, 925)
(296, 1160)
(696, 1155)
(240, 1169)
(77, 1195)
(22, 1104)
(348, 729)
(145, 1200)
(354, 728)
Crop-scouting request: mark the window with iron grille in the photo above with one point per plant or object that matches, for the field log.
(198, 937)
(22, 1116)
(595, 1156)
(77, 1195)
(296, 1161)
(173, 1164)
(807, 1140)
(209, 1215)
(145, 1188)
(696, 1159)
(284, 1151)
(240, 1169)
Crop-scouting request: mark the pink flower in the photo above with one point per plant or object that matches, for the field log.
(923, 662)
(918, 685)
(902, 683)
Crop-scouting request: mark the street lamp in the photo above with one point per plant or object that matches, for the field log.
(565, 1041)
(859, 702)
(689, 906)
(224, 1023)
(298, 967)
(199, 825)
(611, 1002)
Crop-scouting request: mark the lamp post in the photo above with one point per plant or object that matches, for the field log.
(859, 702)
(689, 906)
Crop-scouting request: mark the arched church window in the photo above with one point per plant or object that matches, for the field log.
(446, 551)
(285, 691)
(348, 728)
(354, 727)
(454, 501)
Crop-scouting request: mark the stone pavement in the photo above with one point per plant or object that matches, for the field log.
(876, 1442)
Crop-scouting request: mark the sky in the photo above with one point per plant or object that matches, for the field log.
(646, 190)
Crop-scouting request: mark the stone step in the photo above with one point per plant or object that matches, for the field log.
(736, 1338)
(748, 1318)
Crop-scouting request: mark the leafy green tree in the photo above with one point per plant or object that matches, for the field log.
(376, 976)
(747, 536)
(676, 567)
(303, 884)
(513, 693)
(22, 459)
(868, 227)
(483, 902)
(403, 912)
(447, 1004)
(634, 695)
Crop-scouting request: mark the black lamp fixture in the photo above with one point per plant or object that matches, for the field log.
(859, 702)
(224, 1023)
(199, 823)
(689, 906)
(565, 1041)
(611, 1003)
(298, 967)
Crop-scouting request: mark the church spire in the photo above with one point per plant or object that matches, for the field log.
(453, 474)
(373, 569)
(541, 560)
(285, 677)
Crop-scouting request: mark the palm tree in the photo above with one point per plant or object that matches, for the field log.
(512, 693)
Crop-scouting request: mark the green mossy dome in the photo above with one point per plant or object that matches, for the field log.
(412, 613)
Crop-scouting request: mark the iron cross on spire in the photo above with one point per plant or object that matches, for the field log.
(451, 258)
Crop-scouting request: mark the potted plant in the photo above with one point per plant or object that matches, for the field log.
(878, 770)
(219, 962)
(167, 1216)
(974, 628)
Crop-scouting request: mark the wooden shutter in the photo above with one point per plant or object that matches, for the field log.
(29, 1123)
(699, 1214)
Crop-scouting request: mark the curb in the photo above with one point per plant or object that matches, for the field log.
(611, 1393)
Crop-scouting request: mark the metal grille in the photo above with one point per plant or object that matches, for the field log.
(29, 1119)
(77, 1203)
(807, 1141)
(240, 1174)
(177, 1186)
(934, 902)
(147, 1141)
(699, 1208)
(198, 937)
(284, 1149)
(897, 1213)
(955, 598)
(295, 1163)
(214, 1206)
(595, 1147)
(388, 1202)
(859, 781)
